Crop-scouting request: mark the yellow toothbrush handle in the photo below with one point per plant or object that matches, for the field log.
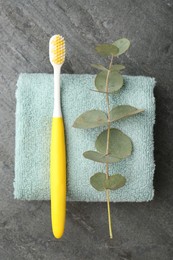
(58, 177)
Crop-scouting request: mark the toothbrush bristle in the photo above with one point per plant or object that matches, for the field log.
(57, 49)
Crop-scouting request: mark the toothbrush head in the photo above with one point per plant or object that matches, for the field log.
(57, 50)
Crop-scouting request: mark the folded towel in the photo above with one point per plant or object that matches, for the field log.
(34, 108)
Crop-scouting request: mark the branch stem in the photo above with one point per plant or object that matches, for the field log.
(109, 214)
(107, 150)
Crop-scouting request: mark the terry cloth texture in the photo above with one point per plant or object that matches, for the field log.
(34, 96)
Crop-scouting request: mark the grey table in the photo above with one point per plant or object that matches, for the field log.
(142, 231)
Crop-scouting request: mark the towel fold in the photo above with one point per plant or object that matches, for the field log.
(34, 108)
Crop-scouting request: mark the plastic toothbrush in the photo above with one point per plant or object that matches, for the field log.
(57, 149)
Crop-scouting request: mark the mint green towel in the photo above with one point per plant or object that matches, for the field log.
(33, 127)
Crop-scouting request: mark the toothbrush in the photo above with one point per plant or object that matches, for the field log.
(57, 149)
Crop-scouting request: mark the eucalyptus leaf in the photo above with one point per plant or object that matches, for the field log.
(122, 44)
(101, 183)
(107, 49)
(90, 119)
(123, 111)
(120, 145)
(114, 182)
(99, 67)
(99, 157)
(98, 181)
(117, 67)
(115, 81)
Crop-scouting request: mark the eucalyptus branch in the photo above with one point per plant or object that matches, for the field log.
(108, 81)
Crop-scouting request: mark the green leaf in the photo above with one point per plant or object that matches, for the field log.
(98, 157)
(99, 67)
(90, 119)
(120, 145)
(123, 111)
(122, 44)
(117, 67)
(114, 182)
(107, 49)
(115, 81)
(98, 181)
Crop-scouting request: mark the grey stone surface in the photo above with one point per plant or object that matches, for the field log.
(142, 231)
